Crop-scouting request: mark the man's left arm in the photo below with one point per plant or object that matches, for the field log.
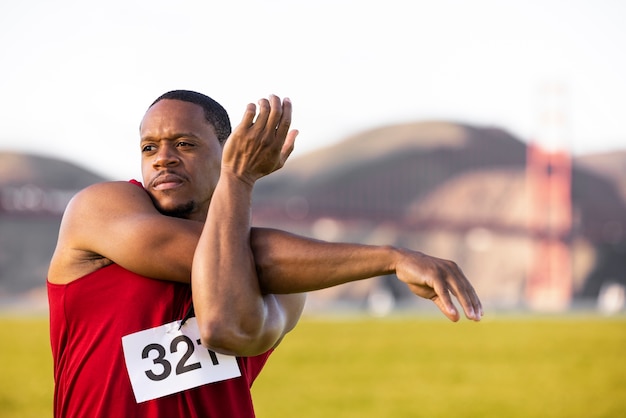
(289, 263)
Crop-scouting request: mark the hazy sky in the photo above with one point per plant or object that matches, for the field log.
(77, 76)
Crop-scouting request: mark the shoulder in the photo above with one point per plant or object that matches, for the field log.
(114, 193)
(103, 202)
(87, 223)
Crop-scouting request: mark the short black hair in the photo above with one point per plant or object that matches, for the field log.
(214, 112)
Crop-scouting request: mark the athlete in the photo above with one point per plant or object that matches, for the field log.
(164, 301)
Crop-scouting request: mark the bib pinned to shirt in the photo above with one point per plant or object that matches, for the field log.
(169, 359)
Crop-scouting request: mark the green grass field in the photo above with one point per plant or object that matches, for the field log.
(395, 367)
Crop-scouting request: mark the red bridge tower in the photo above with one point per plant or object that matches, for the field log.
(549, 178)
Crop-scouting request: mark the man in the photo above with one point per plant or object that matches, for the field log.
(123, 340)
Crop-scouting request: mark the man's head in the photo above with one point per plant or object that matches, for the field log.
(182, 134)
(214, 113)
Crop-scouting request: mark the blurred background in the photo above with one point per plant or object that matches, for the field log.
(486, 132)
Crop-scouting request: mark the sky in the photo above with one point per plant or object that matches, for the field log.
(77, 76)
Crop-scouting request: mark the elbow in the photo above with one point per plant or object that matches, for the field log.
(232, 339)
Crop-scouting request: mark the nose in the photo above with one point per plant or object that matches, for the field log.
(165, 157)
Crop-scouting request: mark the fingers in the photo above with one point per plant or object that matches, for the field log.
(476, 304)
(284, 122)
(248, 115)
(274, 121)
(462, 289)
(443, 300)
(265, 108)
(274, 117)
(439, 280)
(262, 142)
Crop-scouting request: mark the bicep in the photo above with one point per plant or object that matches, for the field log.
(288, 307)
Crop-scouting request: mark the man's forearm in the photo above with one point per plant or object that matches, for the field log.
(288, 263)
(226, 294)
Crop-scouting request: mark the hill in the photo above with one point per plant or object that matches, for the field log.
(34, 191)
(451, 190)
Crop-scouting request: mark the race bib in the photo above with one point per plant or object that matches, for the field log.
(165, 360)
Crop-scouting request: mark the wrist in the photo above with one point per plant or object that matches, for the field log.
(389, 257)
(393, 255)
(231, 176)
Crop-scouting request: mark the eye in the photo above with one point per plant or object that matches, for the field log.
(148, 148)
(184, 144)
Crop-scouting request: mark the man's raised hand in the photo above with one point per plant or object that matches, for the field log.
(259, 146)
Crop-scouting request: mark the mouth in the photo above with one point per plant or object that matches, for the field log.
(167, 181)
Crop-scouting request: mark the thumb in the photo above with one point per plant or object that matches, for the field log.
(288, 146)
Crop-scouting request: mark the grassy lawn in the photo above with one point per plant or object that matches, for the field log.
(26, 381)
(395, 367)
(522, 367)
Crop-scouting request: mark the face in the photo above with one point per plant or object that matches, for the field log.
(180, 158)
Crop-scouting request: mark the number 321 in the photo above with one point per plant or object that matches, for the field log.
(181, 366)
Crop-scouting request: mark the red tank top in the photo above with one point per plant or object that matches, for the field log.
(89, 317)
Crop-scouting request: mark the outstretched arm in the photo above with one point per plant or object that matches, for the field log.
(290, 263)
